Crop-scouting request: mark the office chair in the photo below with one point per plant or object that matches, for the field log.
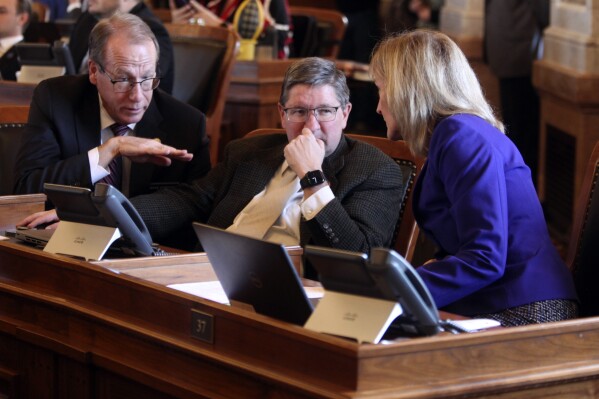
(583, 249)
(204, 58)
(406, 230)
(318, 31)
(12, 123)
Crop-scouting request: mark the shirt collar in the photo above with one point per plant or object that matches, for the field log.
(7, 42)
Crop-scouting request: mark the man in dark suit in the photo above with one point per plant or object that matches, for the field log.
(513, 40)
(344, 193)
(99, 9)
(69, 137)
(14, 17)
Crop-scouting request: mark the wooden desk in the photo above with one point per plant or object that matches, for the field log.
(13, 93)
(73, 329)
(14, 208)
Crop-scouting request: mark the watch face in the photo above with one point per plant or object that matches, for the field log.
(312, 178)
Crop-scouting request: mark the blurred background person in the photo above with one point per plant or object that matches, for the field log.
(426, 12)
(513, 39)
(362, 29)
(222, 12)
(14, 18)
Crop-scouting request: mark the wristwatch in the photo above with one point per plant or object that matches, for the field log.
(312, 178)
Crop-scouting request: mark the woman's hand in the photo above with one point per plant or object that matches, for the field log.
(191, 11)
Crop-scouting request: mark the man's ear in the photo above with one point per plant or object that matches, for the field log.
(93, 71)
(346, 110)
(23, 19)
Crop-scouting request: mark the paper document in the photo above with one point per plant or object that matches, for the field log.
(214, 291)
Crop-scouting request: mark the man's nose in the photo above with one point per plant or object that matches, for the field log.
(136, 91)
(312, 123)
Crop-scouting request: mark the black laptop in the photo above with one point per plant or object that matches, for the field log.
(256, 273)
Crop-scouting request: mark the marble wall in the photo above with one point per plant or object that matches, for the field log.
(572, 39)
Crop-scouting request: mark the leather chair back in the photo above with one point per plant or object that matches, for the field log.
(583, 249)
(12, 124)
(319, 31)
(204, 58)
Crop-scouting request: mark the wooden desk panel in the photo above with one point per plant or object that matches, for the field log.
(13, 93)
(14, 208)
(252, 97)
(72, 325)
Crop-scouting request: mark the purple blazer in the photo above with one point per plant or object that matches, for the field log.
(475, 199)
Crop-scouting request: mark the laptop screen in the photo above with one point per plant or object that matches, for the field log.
(256, 273)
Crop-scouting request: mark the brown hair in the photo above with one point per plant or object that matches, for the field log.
(314, 71)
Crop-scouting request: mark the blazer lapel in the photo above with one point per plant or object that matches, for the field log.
(259, 170)
(249, 178)
(86, 120)
(334, 163)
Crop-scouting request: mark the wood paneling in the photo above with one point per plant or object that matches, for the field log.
(13, 208)
(13, 93)
(76, 328)
(570, 106)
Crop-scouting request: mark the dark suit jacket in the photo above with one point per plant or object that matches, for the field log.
(367, 185)
(64, 123)
(9, 64)
(78, 43)
(513, 34)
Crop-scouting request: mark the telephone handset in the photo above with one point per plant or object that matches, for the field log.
(105, 206)
(398, 279)
(384, 274)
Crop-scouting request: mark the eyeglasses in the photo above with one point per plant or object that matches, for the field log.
(125, 85)
(322, 114)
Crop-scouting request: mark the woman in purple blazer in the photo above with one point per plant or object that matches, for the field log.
(474, 197)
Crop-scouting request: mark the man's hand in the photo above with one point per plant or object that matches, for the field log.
(140, 150)
(45, 217)
(305, 153)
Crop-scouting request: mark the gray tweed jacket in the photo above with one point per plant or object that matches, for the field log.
(367, 185)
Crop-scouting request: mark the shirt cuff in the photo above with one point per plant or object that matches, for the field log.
(97, 172)
(316, 202)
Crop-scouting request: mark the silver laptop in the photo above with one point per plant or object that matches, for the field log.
(257, 273)
(34, 236)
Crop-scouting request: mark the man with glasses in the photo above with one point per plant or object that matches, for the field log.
(320, 187)
(101, 9)
(112, 125)
(14, 19)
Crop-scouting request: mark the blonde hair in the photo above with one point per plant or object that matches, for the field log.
(427, 77)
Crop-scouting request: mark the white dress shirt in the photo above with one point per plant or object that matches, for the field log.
(286, 228)
(7, 42)
(98, 172)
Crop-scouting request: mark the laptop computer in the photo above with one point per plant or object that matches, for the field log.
(256, 273)
(38, 237)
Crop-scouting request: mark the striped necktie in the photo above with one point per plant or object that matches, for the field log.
(115, 167)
